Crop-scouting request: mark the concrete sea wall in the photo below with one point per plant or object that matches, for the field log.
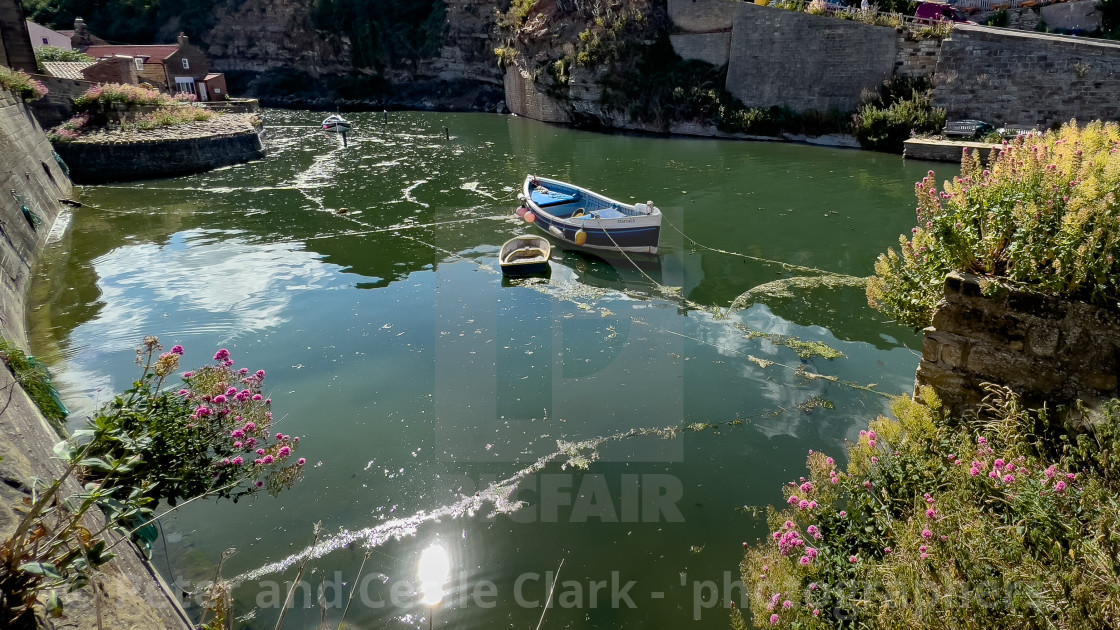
(133, 594)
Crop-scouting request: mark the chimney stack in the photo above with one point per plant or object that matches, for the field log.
(183, 39)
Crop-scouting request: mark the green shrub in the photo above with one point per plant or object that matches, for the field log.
(936, 525)
(54, 53)
(903, 107)
(209, 437)
(35, 379)
(1044, 215)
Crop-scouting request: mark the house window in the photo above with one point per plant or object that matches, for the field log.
(139, 61)
(186, 63)
(45, 41)
(185, 85)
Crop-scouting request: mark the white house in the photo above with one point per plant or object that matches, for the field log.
(43, 36)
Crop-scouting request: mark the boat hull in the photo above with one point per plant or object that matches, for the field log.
(606, 224)
(525, 255)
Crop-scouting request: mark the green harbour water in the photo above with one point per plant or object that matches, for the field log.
(646, 421)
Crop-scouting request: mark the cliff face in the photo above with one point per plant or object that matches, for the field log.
(260, 35)
(468, 46)
(273, 49)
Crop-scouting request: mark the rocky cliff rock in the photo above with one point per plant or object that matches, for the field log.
(260, 35)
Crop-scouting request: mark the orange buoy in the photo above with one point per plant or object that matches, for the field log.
(521, 210)
(581, 237)
(530, 217)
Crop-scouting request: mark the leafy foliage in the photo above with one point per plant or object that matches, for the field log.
(1044, 215)
(902, 107)
(937, 523)
(54, 53)
(34, 378)
(130, 21)
(148, 445)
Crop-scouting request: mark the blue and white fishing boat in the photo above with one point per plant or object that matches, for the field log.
(587, 219)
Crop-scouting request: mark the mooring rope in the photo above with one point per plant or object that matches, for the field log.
(769, 261)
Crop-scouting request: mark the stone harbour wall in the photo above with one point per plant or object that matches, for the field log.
(134, 596)
(1046, 349)
(123, 157)
(806, 62)
(1012, 77)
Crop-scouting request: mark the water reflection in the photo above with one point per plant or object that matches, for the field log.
(434, 396)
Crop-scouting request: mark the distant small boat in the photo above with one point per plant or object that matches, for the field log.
(525, 255)
(334, 122)
(589, 220)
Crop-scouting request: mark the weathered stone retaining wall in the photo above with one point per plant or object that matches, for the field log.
(57, 106)
(96, 162)
(1047, 349)
(134, 596)
(806, 62)
(1012, 77)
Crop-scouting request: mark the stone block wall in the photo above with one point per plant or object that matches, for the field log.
(526, 98)
(703, 16)
(133, 593)
(57, 107)
(916, 57)
(714, 48)
(1082, 15)
(1013, 77)
(1046, 349)
(122, 161)
(806, 62)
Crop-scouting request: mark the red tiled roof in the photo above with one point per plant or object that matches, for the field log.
(153, 53)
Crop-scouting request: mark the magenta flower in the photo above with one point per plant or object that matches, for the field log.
(268, 459)
(886, 549)
(793, 499)
(250, 427)
(1060, 486)
(803, 504)
(927, 534)
(787, 604)
(854, 559)
(284, 452)
(260, 374)
(177, 350)
(812, 505)
(830, 461)
(301, 461)
(811, 553)
(184, 392)
(257, 397)
(222, 355)
(931, 513)
(843, 513)
(188, 374)
(260, 451)
(982, 440)
(973, 471)
(874, 460)
(807, 487)
(243, 371)
(804, 561)
(774, 619)
(219, 399)
(237, 461)
(999, 463)
(1051, 471)
(1009, 479)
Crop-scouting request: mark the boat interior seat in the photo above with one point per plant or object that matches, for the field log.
(526, 253)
